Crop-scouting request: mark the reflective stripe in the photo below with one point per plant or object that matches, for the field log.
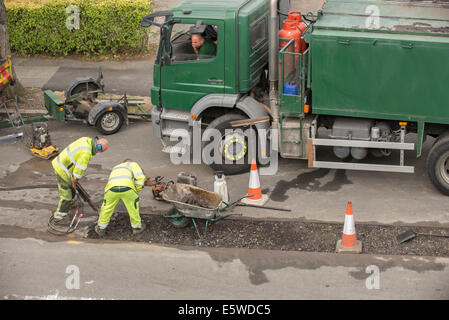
(124, 168)
(81, 148)
(59, 215)
(72, 153)
(139, 174)
(136, 226)
(140, 183)
(63, 167)
(121, 177)
(102, 226)
(77, 175)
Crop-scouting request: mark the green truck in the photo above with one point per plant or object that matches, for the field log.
(372, 83)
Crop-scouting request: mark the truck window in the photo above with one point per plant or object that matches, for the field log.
(183, 41)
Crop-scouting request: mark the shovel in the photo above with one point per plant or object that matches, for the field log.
(410, 234)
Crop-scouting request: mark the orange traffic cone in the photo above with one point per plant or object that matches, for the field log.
(349, 242)
(257, 198)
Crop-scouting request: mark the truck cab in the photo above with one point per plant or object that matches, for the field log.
(192, 90)
(368, 73)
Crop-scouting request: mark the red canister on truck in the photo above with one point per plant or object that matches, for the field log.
(293, 29)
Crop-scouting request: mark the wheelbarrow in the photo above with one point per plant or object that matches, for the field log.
(191, 203)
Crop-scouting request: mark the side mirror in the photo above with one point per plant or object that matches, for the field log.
(148, 20)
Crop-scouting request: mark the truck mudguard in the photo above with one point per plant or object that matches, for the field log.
(213, 100)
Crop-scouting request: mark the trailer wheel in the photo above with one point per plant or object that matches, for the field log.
(438, 165)
(109, 122)
(232, 147)
(82, 87)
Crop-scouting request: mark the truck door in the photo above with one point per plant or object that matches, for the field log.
(189, 76)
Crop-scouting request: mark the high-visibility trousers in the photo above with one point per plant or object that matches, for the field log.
(65, 197)
(111, 198)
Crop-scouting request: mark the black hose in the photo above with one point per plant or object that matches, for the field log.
(51, 186)
(310, 17)
(78, 207)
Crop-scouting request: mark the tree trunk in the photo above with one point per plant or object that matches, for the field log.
(5, 50)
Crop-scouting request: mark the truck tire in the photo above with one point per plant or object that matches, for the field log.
(222, 123)
(438, 165)
(109, 122)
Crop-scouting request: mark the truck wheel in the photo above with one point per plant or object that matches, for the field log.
(438, 165)
(109, 122)
(233, 146)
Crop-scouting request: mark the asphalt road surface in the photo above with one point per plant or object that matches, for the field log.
(35, 265)
(313, 195)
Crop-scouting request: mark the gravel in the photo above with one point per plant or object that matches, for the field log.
(277, 235)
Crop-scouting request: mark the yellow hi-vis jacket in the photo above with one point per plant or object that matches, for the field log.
(73, 160)
(126, 174)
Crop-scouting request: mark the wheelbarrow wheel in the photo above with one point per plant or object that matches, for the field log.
(180, 222)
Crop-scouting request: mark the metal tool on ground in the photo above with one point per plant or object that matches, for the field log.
(160, 186)
(264, 207)
(191, 203)
(349, 242)
(37, 139)
(254, 190)
(410, 234)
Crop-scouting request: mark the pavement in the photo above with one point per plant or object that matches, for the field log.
(37, 269)
(114, 270)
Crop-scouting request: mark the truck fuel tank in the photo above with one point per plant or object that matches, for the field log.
(351, 129)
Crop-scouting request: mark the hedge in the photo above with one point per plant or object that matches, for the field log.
(106, 26)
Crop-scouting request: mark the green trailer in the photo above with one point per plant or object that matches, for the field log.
(373, 73)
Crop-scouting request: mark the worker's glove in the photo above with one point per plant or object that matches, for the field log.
(149, 182)
(74, 181)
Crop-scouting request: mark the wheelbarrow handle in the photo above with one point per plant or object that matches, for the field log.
(232, 204)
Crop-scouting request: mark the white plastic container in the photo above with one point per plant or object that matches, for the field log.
(221, 187)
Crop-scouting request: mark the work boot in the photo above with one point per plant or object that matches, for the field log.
(61, 221)
(139, 230)
(101, 232)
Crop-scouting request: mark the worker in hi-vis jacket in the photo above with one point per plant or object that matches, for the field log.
(125, 182)
(69, 167)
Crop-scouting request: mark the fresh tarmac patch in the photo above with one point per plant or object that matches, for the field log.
(271, 234)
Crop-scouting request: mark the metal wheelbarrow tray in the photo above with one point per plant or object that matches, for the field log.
(195, 203)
